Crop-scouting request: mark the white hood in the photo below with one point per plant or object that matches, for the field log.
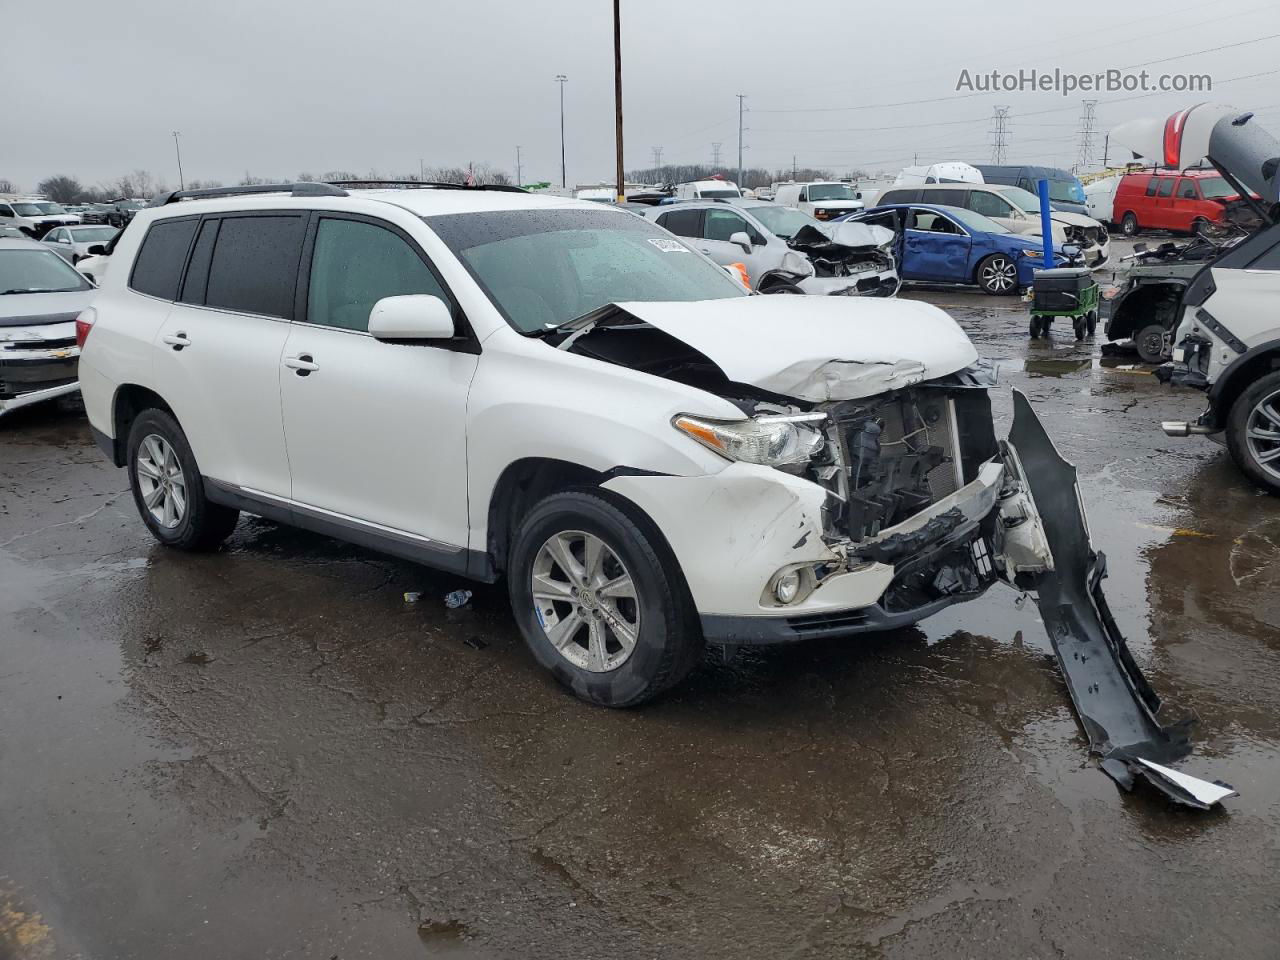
(817, 348)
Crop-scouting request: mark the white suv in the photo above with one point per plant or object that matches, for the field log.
(500, 384)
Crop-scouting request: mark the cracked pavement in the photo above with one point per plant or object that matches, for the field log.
(267, 752)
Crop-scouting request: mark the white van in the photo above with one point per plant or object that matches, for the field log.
(821, 199)
(713, 189)
(950, 171)
(1100, 198)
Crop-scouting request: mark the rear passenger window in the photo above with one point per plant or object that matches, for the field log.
(1166, 187)
(684, 223)
(255, 265)
(193, 286)
(355, 265)
(900, 196)
(158, 266)
(1151, 186)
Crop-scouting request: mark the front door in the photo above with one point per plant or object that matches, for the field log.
(376, 431)
(718, 225)
(935, 248)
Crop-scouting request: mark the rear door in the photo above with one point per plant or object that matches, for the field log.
(217, 355)
(376, 431)
(935, 248)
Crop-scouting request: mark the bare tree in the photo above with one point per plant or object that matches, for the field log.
(61, 188)
(141, 184)
(203, 184)
(7, 186)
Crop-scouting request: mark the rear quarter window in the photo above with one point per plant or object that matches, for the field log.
(899, 196)
(158, 267)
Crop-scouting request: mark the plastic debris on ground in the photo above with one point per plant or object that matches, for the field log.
(456, 599)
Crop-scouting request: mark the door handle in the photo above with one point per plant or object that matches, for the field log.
(176, 340)
(303, 365)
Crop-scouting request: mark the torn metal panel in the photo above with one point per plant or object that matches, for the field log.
(1115, 704)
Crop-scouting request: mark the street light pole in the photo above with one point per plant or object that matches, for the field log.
(561, 79)
(741, 97)
(617, 95)
(182, 184)
(519, 178)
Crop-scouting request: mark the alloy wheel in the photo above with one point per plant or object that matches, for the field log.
(999, 275)
(587, 603)
(161, 481)
(1262, 434)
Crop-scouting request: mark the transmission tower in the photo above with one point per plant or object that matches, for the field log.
(999, 134)
(1085, 156)
(657, 158)
(715, 155)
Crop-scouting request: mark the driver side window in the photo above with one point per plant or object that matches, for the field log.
(354, 265)
(988, 204)
(722, 224)
(932, 222)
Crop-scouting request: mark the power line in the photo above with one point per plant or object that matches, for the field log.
(1183, 56)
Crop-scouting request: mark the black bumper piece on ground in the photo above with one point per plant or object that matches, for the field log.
(1115, 703)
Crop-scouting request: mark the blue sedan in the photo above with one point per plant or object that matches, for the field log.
(940, 244)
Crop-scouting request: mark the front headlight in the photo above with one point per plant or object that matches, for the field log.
(1034, 254)
(772, 441)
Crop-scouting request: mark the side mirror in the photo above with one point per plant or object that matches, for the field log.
(741, 239)
(97, 250)
(417, 316)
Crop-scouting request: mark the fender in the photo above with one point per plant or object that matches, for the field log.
(1233, 381)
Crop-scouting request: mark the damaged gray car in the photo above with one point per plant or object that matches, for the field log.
(784, 249)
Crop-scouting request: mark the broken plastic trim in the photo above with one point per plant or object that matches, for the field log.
(1115, 704)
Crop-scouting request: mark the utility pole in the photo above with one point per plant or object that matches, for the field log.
(793, 166)
(715, 155)
(617, 95)
(999, 135)
(562, 79)
(182, 184)
(741, 97)
(422, 170)
(519, 178)
(1106, 150)
(657, 158)
(1085, 157)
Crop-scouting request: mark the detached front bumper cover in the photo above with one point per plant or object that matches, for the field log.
(1116, 705)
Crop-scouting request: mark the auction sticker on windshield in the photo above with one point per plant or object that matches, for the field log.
(668, 246)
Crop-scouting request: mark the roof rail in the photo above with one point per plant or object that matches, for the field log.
(301, 189)
(377, 183)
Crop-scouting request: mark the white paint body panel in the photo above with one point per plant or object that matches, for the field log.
(818, 349)
(1243, 302)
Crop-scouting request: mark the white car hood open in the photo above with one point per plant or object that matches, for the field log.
(817, 348)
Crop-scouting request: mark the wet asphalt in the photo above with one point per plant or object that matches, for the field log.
(268, 752)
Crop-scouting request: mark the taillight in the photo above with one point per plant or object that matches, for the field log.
(84, 323)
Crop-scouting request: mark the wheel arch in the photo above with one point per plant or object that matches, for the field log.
(1235, 380)
(129, 401)
(1140, 307)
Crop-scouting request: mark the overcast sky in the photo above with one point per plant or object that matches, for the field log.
(275, 87)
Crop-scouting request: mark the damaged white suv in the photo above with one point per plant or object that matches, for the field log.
(499, 384)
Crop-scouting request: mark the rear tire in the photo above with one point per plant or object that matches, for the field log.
(1253, 417)
(168, 489)
(559, 624)
(1129, 225)
(1149, 342)
(782, 286)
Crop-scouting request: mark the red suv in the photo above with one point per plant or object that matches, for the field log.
(1168, 200)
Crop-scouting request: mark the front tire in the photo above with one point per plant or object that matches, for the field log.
(600, 601)
(168, 489)
(997, 275)
(1253, 433)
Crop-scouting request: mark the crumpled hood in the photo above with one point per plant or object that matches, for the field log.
(854, 235)
(1072, 219)
(817, 348)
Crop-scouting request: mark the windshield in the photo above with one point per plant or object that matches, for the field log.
(975, 221)
(27, 210)
(1024, 200)
(92, 234)
(830, 191)
(48, 207)
(131, 204)
(718, 194)
(37, 271)
(1066, 191)
(1211, 187)
(782, 221)
(542, 268)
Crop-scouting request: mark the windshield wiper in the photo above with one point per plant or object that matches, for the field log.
(25, 290)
